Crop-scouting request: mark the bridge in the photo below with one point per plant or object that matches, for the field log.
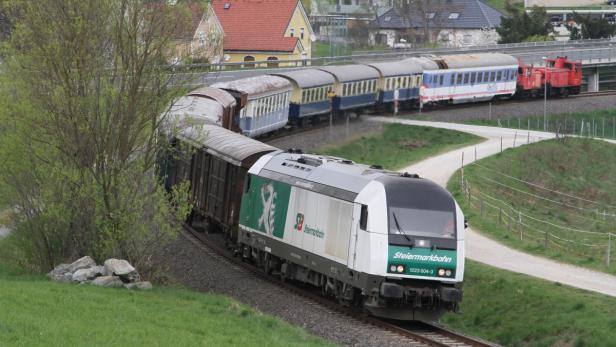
(598, 59)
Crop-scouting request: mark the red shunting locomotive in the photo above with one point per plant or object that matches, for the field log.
(560, 77)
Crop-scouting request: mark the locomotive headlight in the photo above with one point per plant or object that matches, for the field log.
(441, 272)
(422, 243)
(400, 268)
(447, 272)
(392, 268)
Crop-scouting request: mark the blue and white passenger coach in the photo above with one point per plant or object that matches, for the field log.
(310, 93)
(470, 77)
(267, 106)
(398, 77)
(355, 86)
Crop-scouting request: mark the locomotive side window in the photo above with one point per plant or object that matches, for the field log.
(363, 218)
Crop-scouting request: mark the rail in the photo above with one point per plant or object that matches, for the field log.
(422, 333)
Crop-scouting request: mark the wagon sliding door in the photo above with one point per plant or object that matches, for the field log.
(217, 189)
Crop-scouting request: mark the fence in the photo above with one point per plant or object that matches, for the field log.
(537, 232)
(598, 127)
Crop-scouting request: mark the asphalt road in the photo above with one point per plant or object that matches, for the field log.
(483, 249)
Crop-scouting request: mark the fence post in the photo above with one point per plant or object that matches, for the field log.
(500, 215)
(546, 239)
(501, 145)
(481, 207)
(462, 174)
(520, 225)
(609, 248)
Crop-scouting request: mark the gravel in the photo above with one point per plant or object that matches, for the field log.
(311, 140)
(198, 268)
(519, 108)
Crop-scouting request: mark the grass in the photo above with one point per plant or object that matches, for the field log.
(38, 312)
(401, 145)
(517, 310)
(577, 228)
(596, 123)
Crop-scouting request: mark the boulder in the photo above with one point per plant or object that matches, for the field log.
(118, 267)
(145, 285)
(107, 281)
(123, 269)
(60, 272)
(81, 263)
(88, 274)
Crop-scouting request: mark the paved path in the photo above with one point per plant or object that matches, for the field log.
(483, 249)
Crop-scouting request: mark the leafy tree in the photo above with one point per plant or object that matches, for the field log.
(81, 129)
(519, 25)
(574, 33)
(593, 27)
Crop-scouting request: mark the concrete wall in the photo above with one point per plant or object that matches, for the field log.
(448, 37)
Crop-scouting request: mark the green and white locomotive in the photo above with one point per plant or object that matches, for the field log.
(391, 242)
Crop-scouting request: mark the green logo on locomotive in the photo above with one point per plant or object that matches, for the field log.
(264, 206)
(421, 261)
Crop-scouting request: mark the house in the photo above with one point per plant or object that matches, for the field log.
(195, 37)
(260, 30)
(448, 23)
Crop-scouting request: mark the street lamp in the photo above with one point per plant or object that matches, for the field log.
(545, 94)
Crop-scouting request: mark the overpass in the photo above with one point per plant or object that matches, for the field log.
(598, 58)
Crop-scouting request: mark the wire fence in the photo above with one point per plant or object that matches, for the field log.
(521, 224)
(599, 127)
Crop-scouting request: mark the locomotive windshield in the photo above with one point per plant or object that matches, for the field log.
(426, 223)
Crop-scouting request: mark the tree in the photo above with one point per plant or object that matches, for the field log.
(593, 27)
(81, 137)
(421, 18)
(519, 25)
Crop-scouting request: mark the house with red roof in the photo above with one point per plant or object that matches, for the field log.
(260, 30)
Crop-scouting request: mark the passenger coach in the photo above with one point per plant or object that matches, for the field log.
(355, 86)
(267, 105)
(310, 93)
(469, 78)
(399, 78)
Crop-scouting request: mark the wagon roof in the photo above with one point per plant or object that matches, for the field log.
(221, 96)
(256, 85)
(189, 110)
(425, 63)
(223, 143)
(346, 73)
(478, 60)
(397, 68)
(308, 78)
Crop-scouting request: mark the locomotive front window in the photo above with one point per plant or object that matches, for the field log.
(423, 223)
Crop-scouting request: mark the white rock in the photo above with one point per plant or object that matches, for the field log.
(88, 274)
(58, 272)
(81, 263)
(107, 281)
(118, 267)
(145, 285)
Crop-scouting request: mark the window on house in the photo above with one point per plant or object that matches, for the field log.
(430, 15)
(292, 32)
(454, 15)
(301, 33)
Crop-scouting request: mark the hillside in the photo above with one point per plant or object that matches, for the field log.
(555, 198)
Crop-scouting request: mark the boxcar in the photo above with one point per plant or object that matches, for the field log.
(401, 78)
(470, 77)
(215, 162)
(310, 93)
(355, 86)
(267, 105)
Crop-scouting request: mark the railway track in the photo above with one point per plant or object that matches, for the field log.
(418, 334)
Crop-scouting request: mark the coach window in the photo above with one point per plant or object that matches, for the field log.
(363, 218)
(459, 79)
(479, 77)
(486, 76)
(506, 75)
(473, 76)
(499, 76)
(466, 78)
(492, 76)
(440, 79)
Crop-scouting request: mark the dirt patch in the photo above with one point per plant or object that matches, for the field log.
(412, 144)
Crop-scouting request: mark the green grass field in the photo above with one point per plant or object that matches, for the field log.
(554, 198)
(37, 312)
(595, 123)
(401, 145)
(517, 310)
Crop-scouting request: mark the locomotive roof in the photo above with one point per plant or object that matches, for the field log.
(477, 60)
(221, 96)
(336, 177)
(223, 143)
(397, 68)
(262, 84)
(308, 78)
(347, 73)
